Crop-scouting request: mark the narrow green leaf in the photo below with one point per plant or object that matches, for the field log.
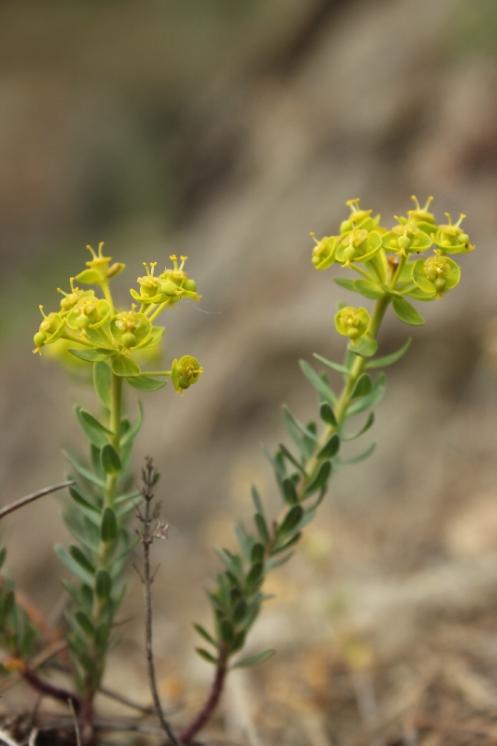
(365, 402)
(83, 470)
(262, 528)
(85, 528)
(146, 383)
(131, 433)
(276, 562)
(369, 422)
(226, 631)
(291, 458)
(85, 624)
(73, 566)
(128, 497)
(369, 289)
(239, 639)
(393, 357)
(257, 554)
(318, 382)
(3, 555)
(91, 356)
(330, 364)
(363, 386)
(111, 463)
(289, 492)
(206, 655)
(406, 312)
(102, 382)
(327, 415)
(255, 576)
(296, 429)
(80, 557)
(96, 461)
(283, 546)
(253, 660)
(320, 480)
(123, 366)
(367, 425)
(245, 542)
(331, 448)
(103, 584)
(240, 611)
(344, 282)
(91, 510)
(360, 457)
(9, 603)
(291, 520)
(203, 633)
(96, 433)
(256, 498)
(109, 527)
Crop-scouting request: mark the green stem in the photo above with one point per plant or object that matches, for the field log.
(157, 311)
(105, 548)
(107, 295)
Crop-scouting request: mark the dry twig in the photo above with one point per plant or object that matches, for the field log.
(152, 528)
(27, 499)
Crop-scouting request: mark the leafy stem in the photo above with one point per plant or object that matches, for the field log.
(238, 595)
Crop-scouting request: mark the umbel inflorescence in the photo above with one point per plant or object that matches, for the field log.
(409, 259)
(100, 331)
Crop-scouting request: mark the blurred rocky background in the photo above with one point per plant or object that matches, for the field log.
(227, 130)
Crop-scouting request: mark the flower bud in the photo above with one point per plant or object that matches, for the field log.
(352, 322)
(185, 372)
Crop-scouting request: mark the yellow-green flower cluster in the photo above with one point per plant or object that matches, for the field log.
(88, 319)
(387, 258)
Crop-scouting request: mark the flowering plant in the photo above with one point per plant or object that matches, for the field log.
(410, 259)
(112, 341)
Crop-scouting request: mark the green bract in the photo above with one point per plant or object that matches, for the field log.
(357, 245)
(407, 237)
(436, 275)
(352, 322)
(451, 238)
(185, 372)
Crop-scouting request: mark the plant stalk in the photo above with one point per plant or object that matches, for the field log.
(205, 714)
(105, 547)
(340, 410)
